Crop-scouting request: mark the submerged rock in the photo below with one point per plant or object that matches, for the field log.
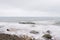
(26, 23)
(34, 32)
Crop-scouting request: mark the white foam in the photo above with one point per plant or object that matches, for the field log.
(26, 28)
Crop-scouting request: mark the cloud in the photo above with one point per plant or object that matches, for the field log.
(31, 8)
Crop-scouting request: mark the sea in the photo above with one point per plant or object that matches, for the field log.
(42, 24)
(44, 20)
(17, 19)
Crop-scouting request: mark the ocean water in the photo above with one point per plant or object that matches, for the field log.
(17, 19)
(42, 24)
(41, 20)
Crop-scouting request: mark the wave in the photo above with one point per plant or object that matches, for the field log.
(48, 22)
(45, 22)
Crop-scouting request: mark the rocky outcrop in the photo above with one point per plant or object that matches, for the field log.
(8, 37)
(14, 37)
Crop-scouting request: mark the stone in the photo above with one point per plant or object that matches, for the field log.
(34, 32)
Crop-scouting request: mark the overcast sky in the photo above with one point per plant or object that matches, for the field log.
(30, 8)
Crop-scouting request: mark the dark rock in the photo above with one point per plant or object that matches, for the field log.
(26, 23)
(8, 37)
(47, 36)
(8, 30)
(14, 37)
(48, 31)
(34, 32)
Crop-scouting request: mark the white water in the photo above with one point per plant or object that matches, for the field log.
(40, 26)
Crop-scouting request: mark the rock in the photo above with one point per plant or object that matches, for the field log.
(34, 32)
(26, 23)
(8, 37)
(14, 37)
(8, 30)
(25, 37)
(48, 31)
(47, 36)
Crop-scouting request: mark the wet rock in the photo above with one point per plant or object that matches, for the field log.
(26, 23)
(8, 37)
(8, 30)
(47, 36)
(25, 37)
(14, 37)
(48, 31)
(34, 32)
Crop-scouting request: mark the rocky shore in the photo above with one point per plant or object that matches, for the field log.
(14, 37)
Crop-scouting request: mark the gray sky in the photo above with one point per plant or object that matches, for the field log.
(30, 8)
